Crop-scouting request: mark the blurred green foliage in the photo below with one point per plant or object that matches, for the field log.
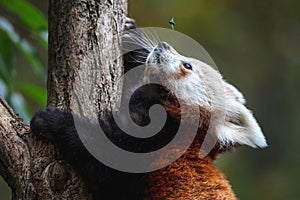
(255, 44)
(23, 44)
(15, 44)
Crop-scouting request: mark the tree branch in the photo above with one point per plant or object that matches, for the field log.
(84, 36)
(31, 166)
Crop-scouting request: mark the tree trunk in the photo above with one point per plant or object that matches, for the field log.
(84, 40)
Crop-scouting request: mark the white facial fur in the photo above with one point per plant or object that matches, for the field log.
(203, 85)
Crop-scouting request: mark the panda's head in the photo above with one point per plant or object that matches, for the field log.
(198, 84)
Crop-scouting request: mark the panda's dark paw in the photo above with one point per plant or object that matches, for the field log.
(130, 24)
(135, 50)
(132, 31)
(46, 122)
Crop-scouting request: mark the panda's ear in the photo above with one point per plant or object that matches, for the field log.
(239, 126)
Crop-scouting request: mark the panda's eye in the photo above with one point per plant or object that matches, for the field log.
(187, 65)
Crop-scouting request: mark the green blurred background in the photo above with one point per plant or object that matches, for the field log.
(255, 44)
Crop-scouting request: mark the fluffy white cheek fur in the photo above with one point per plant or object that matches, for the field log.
(191, 90)
(238, 127)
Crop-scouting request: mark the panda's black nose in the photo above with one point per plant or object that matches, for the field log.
(164, 46)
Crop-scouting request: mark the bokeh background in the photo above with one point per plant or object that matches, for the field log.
(255, 44)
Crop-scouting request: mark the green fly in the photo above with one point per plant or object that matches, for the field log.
(172, 22)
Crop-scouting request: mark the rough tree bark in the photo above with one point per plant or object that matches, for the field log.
(84, 36)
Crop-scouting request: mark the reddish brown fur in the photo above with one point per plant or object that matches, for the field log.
(189, 177)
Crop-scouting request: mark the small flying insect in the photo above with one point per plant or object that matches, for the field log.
(172, 22)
